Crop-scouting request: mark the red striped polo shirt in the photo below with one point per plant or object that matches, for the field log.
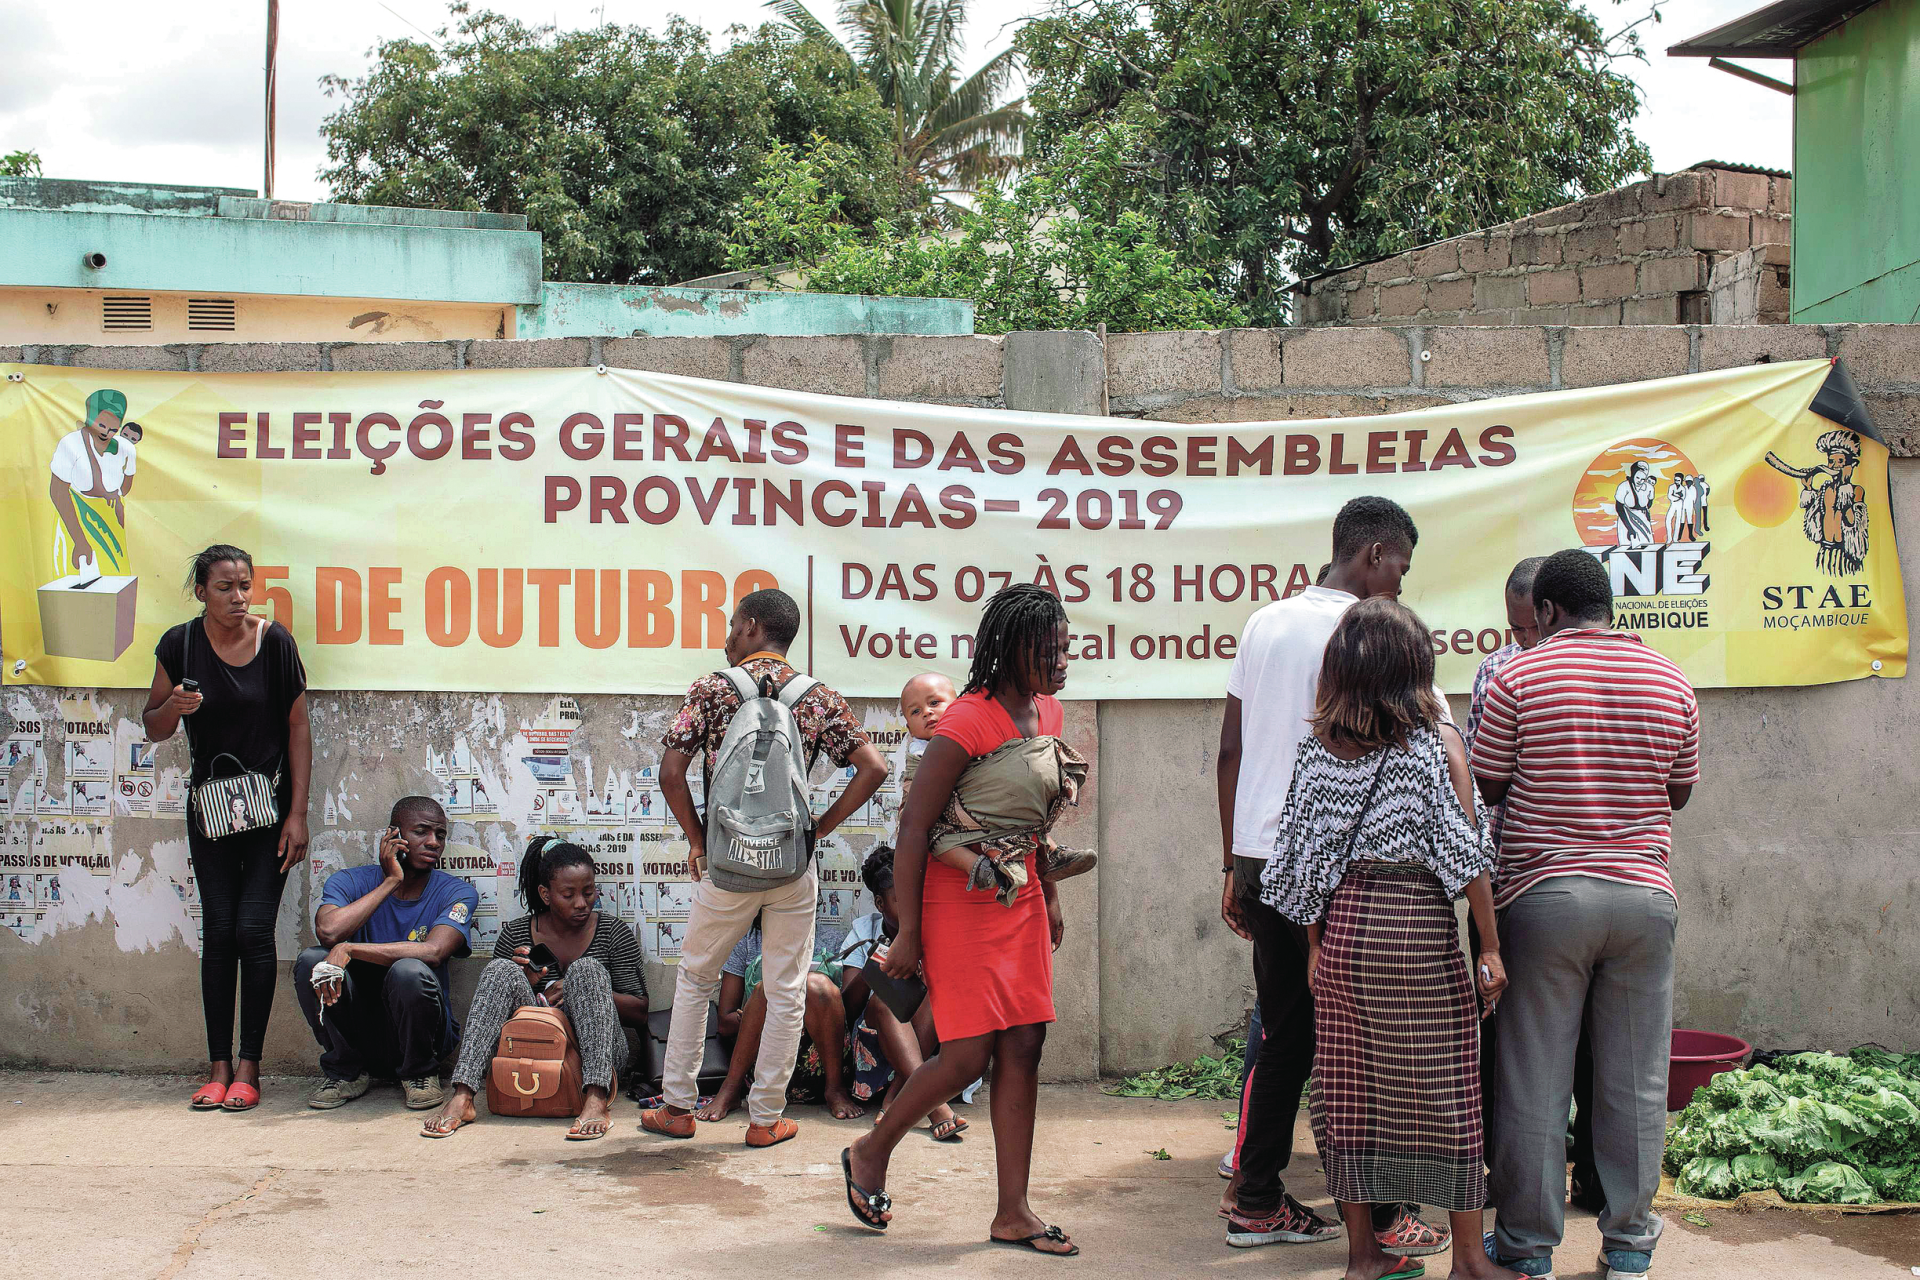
(1588, 728)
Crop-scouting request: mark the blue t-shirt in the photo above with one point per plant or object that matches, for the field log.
(447, 899)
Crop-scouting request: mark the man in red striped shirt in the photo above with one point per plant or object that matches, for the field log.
(1591, 740)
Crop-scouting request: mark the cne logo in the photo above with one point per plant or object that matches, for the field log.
(1642, 508)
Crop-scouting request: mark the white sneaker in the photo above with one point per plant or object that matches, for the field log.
(1626, 1264)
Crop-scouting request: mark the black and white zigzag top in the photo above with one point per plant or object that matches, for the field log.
(1329, 823)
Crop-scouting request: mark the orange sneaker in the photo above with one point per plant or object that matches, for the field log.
(771, 1135)
(665, 1123)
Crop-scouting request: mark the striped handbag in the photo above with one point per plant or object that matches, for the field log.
(239, 802)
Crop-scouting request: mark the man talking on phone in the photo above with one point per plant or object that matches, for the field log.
(375, 991)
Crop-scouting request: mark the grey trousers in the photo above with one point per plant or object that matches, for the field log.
(586, 999)
(1563, 940)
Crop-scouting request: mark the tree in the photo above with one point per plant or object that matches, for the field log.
(20, 164)
(626, 149)
(1022, 262)
(1280, 137)
(948, 135)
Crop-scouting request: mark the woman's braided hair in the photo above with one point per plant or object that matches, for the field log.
(546, 855)
(1021, 627)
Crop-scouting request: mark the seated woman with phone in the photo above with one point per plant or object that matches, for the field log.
(563, 954)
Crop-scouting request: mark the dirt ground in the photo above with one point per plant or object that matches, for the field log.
(114, 1176)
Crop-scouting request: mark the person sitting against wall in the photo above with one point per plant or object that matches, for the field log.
(598, 985)
(863, 1042)
(886, 1050)
(820, 1067)
(375, 989)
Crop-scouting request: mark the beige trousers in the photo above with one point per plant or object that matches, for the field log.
(719, 920)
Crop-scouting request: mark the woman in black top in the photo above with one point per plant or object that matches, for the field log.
(251, 705)
(597, 985)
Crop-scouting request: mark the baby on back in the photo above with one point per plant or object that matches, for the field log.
(922, 702)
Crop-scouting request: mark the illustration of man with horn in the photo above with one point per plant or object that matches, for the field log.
(1832, 506)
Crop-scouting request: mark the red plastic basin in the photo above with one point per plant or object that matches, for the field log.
(1699, 1056)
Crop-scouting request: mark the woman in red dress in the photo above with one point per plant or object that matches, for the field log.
(988, 968)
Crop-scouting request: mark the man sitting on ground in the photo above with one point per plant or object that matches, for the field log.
(386, 933)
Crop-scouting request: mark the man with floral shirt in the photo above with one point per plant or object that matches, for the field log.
(763, 625)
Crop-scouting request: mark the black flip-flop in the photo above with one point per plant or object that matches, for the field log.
(954, 1128)
(874, 1202)
(1054, 1234)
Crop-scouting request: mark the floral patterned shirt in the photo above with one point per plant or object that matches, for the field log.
(828, 726)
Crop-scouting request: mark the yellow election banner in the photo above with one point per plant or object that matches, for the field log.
(589, 530)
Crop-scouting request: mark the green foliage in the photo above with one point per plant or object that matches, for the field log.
(20, 164)
(1820, 1128)
(950, 133)
(1204, 1077)
(628, 150)
(1021, 257)
(1281, 137)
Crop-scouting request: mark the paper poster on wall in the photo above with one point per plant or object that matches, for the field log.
(170, 794)
(841, 893)
(134, 788)
(90, 798)
(665, 897)
(646, 806)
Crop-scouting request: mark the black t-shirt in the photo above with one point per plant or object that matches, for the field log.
(243, 710)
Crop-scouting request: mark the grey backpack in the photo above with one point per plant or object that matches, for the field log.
(759, 821)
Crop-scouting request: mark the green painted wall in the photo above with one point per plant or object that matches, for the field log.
(42, 248)
(593, 310)
(1856, 171)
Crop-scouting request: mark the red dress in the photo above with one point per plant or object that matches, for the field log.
(988, 967)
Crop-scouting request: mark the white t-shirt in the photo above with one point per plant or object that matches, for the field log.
(866, 931)
(70, 464)
(1276, 676)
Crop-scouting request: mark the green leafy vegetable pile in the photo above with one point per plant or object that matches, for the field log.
(1817, 1127)
(1204, 1077)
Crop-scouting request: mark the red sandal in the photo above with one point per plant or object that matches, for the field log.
(241, 1097)
(209, 1096)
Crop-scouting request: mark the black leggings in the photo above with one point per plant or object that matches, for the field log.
(240, 882)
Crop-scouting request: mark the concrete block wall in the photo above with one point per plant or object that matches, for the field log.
(1638, 255)
(1794, 860)
(1753, 286)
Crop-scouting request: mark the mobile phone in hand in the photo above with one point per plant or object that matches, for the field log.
(190, 685)
(541, 957)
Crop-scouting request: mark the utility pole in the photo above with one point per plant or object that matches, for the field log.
(273, 55)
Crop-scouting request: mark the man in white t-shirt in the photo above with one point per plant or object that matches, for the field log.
(1270, 698)
(92, 468)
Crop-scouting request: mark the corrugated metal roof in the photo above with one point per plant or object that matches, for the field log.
(1735, 167)
(1777, 31)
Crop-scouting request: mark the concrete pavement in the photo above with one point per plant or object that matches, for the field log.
(114, 1176)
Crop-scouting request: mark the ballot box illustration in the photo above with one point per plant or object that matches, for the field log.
(88, 616)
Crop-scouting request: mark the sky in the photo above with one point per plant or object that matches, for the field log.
(144, 92)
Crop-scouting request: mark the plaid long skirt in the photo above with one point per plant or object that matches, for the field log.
(1396, 1074)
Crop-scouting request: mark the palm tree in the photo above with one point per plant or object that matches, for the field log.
(948, 134)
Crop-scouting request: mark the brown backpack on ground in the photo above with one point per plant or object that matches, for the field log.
(536, 1068)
